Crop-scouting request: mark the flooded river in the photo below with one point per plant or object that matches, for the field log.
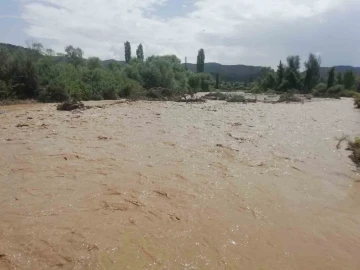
(162, 185)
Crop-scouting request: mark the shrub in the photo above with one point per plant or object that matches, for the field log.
(194, 81)
(110, 94)
(96, 96)
(271, 92)
(357, 101)
(216, 96)
(334, 91)
(53, 93)
(131, 89)
(354, 146)
(4, 90)
(256, 90)
(205, 85)
(289, 97)
(320, 90)
(236, 98)
(348, 93)
(284, 86)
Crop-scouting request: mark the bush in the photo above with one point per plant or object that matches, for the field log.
(4, 90)
(216, 96)
(348, 93)
(320, 90)
(53, 93)
(271, 92)
(357, 101)
(284, 86)
(110, 94)
(96, 96)
(256, 90)
(131, 89)
(159, 93)
(236, 98)
(354, 146)
(334, 91)
(194, 81)
(205, 85)
(289, 97)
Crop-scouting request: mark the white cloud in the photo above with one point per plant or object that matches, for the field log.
(231, 31)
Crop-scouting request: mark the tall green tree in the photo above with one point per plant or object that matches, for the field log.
(280, 73)
(312, 73)
(349, 79)
(74, 55)
(292, 74)
(127, 52)
(269, 82)
(200, 64)
(339, 78)
(217, 83)
(293, 62)
(140, 53)
(357, 84)
(331, 78)
(24, 79)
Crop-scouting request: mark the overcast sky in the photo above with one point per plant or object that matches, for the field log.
(248, 32)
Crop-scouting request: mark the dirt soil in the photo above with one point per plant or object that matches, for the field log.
(165, 185)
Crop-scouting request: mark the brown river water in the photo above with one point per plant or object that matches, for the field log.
(162, 185)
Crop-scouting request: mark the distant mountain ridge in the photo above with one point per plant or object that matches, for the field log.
(342, 69)
(230, 72)
(226, 72)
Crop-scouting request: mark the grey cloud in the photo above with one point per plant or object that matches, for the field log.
(333, 34)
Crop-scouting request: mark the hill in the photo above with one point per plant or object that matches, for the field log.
(230, 72)
(226, 72)
(342, 69)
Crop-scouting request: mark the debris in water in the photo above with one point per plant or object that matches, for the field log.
(70, 105)
(22, 125)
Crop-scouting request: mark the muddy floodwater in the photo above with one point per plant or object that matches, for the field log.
(163, 185)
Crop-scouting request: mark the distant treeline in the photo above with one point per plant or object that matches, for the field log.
(38, 73)
(289, 78)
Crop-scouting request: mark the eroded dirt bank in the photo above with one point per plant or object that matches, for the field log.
(165, 185)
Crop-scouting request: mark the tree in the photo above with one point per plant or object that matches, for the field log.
(357, 84)
(331, 78)
(349, 79)
(35, 46)
(127, 52)
(24, 79)
(293, 63)
(339, 78)
(50, 52)
(292, 74)
(269, 82)
(194, 81)
(217, 84)
(312, 73)
(74, 55)
(94, 62)
(200, 61)
(280, 73)
(140, 53)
